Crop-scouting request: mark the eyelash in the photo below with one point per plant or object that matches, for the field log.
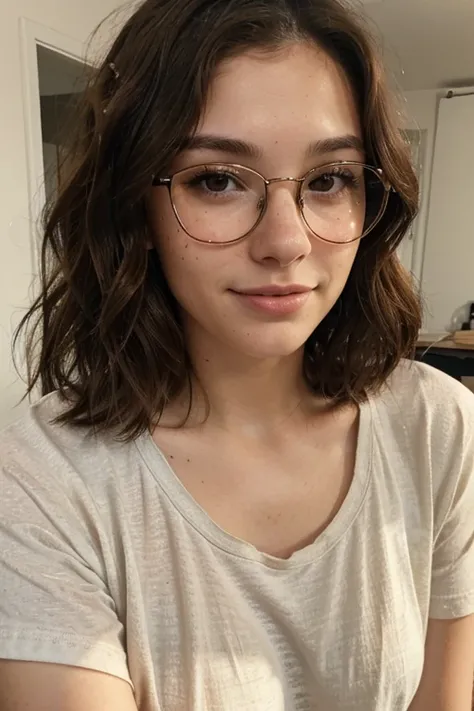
(350, 180)
(209, 171)
(341, 172)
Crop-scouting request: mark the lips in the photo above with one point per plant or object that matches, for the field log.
(274, 290)
(275, 301)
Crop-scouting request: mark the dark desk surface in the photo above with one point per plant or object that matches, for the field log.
(455, 359)
(433, 342)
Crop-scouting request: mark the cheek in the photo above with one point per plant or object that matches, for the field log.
(184, 264)
(337, 265)
(170, 241)
(344, 259)
(189, 267)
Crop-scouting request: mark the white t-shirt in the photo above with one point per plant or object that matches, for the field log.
(107, 562)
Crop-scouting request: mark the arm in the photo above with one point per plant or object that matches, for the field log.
(51, 687)
(447, 679)
(62, 641)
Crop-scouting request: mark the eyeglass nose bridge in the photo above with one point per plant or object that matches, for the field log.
(289, 179)
(269, 181)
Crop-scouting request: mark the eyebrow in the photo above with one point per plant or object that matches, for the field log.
(236, 147)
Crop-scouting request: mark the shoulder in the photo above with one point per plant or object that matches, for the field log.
(37, 425)
(67, 481)
(37, 429)
(424, 377)
(41, 448)
(421, 394)
(424, 421)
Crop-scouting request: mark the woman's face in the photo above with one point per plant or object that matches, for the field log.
(281, 105)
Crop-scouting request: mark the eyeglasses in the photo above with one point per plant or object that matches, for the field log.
(220, 203)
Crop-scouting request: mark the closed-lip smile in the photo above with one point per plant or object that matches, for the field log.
(274, 300)
(275, 290)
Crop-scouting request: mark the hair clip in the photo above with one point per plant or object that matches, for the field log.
(113, 68)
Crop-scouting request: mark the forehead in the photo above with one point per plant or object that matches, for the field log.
(289, 98)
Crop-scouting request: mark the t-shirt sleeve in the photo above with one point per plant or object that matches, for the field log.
(452, 580)
(55, 605)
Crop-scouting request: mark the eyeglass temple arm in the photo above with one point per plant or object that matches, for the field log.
(161, 181)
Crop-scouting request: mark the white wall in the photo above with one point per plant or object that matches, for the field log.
(77, 19)
(448, 269)
(422, 112)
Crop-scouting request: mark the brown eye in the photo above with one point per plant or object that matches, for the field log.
(323, 184)
(216, 183)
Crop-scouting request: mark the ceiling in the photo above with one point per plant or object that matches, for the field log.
(428, 44)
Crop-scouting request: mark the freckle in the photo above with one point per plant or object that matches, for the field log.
(202, 482)
(189, 461)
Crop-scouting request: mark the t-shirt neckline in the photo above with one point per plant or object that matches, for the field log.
(205, 526)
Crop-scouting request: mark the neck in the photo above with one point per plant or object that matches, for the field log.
(243, 394)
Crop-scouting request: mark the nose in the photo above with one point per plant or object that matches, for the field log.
(281, 237)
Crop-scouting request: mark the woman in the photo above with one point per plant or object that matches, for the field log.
(235, 493)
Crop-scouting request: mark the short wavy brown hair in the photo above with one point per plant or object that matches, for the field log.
(105, 330)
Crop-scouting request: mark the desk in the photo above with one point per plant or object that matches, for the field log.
(427, 341)
(453, 358)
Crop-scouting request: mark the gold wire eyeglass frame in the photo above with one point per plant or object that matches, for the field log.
(378, 172)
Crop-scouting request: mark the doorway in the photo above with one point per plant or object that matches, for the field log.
(61, 80)
(54, 71)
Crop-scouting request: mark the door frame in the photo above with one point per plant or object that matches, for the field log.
(33, 34)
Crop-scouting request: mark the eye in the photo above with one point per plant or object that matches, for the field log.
(215, 182)
(330, 183)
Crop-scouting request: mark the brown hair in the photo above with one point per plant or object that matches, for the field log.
(105, 330)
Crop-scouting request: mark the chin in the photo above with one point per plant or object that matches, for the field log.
(258, 346)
